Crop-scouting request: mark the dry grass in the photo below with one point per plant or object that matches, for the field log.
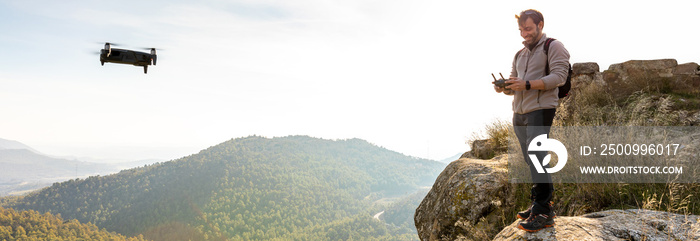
(608, 105)
(492, 141)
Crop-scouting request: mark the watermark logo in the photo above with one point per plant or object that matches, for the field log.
(607, 154)
(542, 143)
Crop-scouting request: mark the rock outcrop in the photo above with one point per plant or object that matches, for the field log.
(470, 198)
(664, 75)
(633, 224)
(663, 91)
(464, 197)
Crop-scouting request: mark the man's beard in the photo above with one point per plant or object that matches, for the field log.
(535, 40)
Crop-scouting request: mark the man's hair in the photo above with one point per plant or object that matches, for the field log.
(535, 15)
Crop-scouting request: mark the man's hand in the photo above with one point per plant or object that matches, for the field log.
(498, 89)
(516, 84)
(503, 90)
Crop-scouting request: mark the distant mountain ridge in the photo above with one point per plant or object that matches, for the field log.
(25, 169)
(254, 188)
(11, 145)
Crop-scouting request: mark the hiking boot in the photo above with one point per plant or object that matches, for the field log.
(525, 214)
(537, 222)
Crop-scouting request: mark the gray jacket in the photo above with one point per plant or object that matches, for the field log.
(530, 65)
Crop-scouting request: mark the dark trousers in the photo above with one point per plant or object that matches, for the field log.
(527, 127)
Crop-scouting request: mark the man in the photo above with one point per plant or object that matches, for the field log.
(534, 104)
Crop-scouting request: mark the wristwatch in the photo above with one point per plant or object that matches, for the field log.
(527, 85)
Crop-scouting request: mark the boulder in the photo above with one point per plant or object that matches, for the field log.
(588, 68)
(663, 75)
(644, 68)
(687, 68)
(652, 65)
(462, 198)
(633, 224)
(483, 149)
(686, 78)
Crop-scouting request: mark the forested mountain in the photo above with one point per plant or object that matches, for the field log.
(251, 188)
(30, 225)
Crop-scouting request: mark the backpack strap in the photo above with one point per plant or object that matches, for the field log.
(564, 89)
(547, 42)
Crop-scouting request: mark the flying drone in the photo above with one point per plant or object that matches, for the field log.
(126, 56)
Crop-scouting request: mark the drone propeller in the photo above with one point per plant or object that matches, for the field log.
(110, 43)
(152, 50)
(159, 49)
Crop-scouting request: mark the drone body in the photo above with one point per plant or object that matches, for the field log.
(125, 56)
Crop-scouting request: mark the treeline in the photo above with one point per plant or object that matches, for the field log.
(31, 225)
(250, 188)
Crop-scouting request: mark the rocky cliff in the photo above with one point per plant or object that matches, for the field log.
(467, 198)
(473, 200)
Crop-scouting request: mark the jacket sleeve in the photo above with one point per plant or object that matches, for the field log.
(558, 66)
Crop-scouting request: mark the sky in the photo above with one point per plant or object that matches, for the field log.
(411, 76)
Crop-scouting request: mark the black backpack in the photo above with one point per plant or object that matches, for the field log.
(564, 89)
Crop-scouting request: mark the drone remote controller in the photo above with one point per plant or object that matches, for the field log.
(501, 83)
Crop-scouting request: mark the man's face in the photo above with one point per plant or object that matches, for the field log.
(531, 32)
